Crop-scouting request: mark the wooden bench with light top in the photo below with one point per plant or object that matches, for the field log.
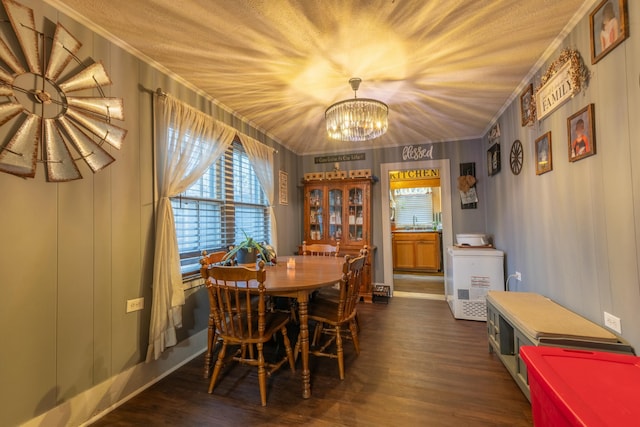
(516, 319)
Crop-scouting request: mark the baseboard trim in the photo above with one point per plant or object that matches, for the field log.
(93, 404)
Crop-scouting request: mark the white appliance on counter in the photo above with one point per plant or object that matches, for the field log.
(471, 272)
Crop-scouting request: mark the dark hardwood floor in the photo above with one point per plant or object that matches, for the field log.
(418, 283)
(418, 366)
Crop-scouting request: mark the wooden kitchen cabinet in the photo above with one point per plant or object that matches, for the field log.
(419, 251)
(340, 210)
(428, 252)
(403, 253)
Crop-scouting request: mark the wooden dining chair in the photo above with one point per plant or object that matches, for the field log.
(336, 321)
(333, 293)
(318, 249)
(206, 262)
(241, 322)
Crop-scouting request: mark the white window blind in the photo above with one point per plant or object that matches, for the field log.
(218, 209)
(414, 206)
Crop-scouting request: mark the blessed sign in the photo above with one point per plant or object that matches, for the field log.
(417, 152)
(555, 92)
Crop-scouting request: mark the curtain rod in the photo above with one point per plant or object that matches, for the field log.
(160, 92)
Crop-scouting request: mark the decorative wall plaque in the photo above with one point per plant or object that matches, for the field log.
(565, 77)
(516, 157)
(48, 121)
(467, 186)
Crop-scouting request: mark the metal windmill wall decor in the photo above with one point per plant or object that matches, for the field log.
(47, 119)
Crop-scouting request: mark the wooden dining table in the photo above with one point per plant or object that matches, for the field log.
(309, 274)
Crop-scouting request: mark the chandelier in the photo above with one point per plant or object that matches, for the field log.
(357, 119)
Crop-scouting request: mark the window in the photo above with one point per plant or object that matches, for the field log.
(216, 211)
(414, 207)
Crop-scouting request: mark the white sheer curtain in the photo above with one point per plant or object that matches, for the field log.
(187, 143)
(261, 158)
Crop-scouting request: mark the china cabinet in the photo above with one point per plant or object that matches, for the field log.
(340, 211)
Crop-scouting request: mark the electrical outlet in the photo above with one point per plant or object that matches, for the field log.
(135, 304)
(612, 322)
(518, 276)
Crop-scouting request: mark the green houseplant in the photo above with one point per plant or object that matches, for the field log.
(247, 251)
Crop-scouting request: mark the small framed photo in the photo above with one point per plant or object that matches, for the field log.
(526, 110)
(283, 187)
(493, 159)
(494, 134)
(582, 135)
(543, 154)
(609, 27)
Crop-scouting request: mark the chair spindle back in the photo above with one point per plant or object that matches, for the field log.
(234, 313)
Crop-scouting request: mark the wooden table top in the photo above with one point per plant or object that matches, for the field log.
(310, 272)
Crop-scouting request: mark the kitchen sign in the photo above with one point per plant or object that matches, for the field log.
(411, 175)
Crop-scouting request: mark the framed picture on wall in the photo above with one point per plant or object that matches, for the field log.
(468, 193)
(582, 135)
(283, 187)
(526, 106)
(609, 27)
(494, 134)
(493, 159)
(543, 154)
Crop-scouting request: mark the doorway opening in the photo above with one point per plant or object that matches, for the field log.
(416, 226)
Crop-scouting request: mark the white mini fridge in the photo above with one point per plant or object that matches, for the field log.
(469, 275)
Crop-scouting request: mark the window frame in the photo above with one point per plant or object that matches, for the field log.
(409, 203)
(230, 199)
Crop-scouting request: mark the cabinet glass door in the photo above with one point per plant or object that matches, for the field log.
(335, 214)
(316, 200)
(356, 214)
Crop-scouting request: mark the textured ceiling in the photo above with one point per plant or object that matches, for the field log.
(445, 68)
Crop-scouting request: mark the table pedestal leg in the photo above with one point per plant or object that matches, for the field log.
(304, 345)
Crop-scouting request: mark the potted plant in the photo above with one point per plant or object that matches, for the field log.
(247, 251)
